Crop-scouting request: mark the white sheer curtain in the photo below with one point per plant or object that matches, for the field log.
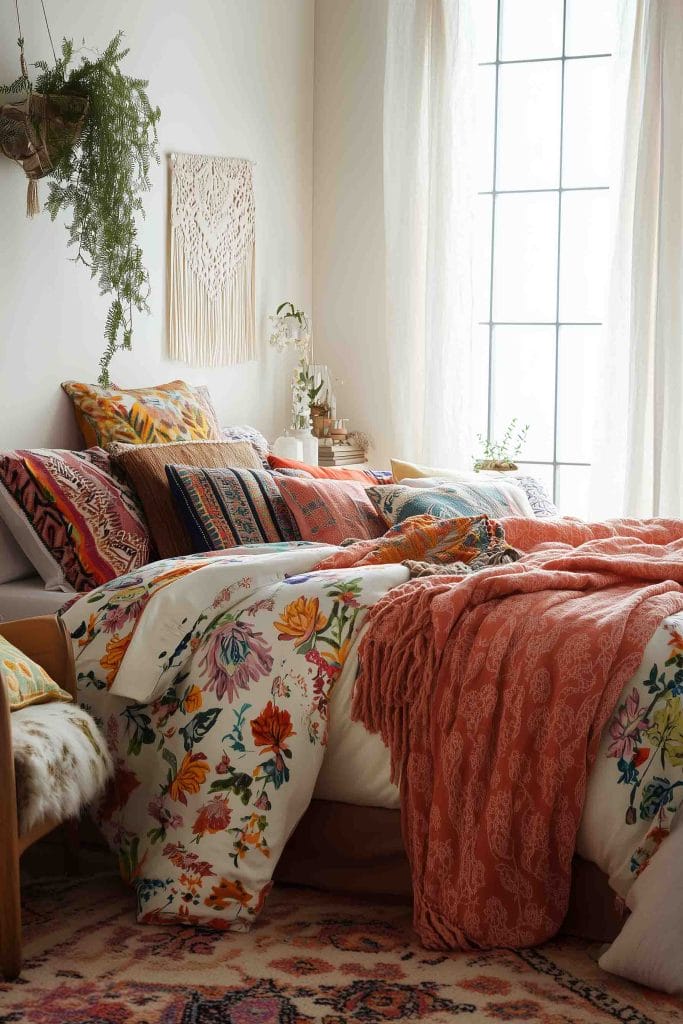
(638, 465)
(429, 190)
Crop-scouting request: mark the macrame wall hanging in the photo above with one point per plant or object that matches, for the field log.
(211, 307)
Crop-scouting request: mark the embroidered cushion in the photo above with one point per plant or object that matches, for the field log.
(411, 473)
(368, 476)
(222, 508)
(145, 466)
(168, 412)
(331, 511)
(447, 501)
(75, 516)
(25, 681)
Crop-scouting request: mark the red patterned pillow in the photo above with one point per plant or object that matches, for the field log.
(74, 515)
(331, 511)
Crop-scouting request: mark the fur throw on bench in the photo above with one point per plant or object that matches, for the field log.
(61, 762)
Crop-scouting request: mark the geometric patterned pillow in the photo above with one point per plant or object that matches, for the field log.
(24, 681)
(223, 508)
(167, 412)
(397, 503)
(250, 434)
(74, 515)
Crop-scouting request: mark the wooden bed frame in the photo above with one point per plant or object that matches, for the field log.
(44, 640)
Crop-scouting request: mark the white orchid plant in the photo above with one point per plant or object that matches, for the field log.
(291, 329)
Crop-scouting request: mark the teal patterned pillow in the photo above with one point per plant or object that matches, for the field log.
(450, 501)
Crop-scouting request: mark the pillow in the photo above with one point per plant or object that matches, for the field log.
(169, 412)
(74, 515)
(450, 501)
(222, 508)
(14, 565)
(648, 949)
(368, 476)
(145, 467)
(331, 511)
(541, 503)
(253, 436)
(25, 682)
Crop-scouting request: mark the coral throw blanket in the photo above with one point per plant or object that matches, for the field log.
(491, 693)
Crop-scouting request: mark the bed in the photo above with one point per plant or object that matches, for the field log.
(224, 684)
(25, 598)
(216, 678)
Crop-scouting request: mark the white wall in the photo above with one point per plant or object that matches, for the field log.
(232, 77)
(348, 210)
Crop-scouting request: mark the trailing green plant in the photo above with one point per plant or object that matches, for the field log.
(100, 182)
(502, 454)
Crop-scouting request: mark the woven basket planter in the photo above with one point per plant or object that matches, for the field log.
(37, 132)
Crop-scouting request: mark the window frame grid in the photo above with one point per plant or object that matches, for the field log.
(560, 189)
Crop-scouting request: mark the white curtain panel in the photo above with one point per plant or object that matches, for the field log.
(639, 435)
(429, 191)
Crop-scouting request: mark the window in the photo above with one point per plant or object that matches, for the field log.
(543, 236)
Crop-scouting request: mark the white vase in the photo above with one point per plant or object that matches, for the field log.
(309, 444)
(289, 447)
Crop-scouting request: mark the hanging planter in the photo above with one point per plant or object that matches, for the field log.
(37, 132)
(92, 132)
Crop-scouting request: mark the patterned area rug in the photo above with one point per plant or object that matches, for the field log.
(311, 957)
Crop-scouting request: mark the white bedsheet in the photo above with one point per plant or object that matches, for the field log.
(22, 599)
(356, 768)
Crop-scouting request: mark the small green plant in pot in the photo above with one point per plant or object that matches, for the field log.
(501, 456)
(98, 172)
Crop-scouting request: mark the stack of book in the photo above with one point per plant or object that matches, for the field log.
(339, 453)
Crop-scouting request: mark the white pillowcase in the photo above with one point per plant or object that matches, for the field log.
(14, 565)
(649, 948)
(26, 537)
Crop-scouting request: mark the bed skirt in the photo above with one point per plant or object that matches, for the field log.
(360, 850)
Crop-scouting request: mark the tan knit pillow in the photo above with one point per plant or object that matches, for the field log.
(144, 465)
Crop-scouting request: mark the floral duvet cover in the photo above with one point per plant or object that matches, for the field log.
(211, 677)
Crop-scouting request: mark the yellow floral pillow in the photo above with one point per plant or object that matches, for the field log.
(25, 681)
(168, 412)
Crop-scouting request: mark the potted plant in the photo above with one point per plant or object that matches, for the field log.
(92, 131)
(500, 456)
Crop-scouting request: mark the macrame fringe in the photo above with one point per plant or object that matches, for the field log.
(32, 201)
(211, 332)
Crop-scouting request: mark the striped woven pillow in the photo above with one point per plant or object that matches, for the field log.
(223, 508)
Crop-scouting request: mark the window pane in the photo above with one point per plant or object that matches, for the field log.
(480, 385)
(531, 28)
(591, 26)
(485, 121)
(584, 256)
(524, 385)
(525, 259)
(543, 473)
(482, 258)
(573, 484)
(529, 125)
(586, 149)
(485, 24)
(579, 350)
